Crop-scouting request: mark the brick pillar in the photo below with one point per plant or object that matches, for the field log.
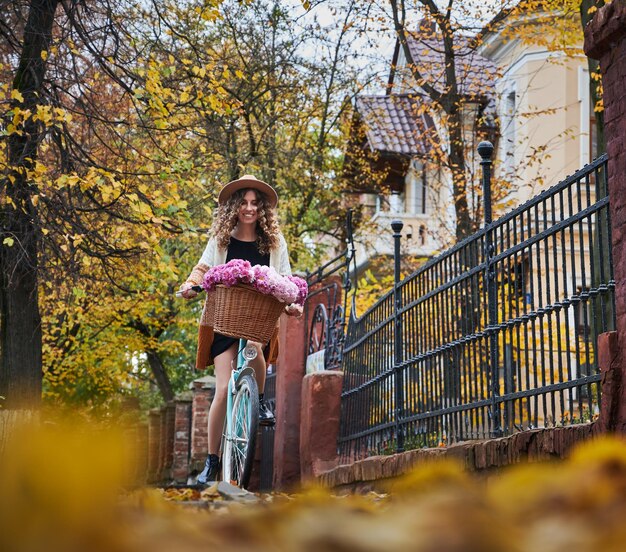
(154, 445)
(605, 40)
(203, 391)
(319, 423)
(293, 348)
(610, 383)
(166, 445)
(136, 439)
(162, 444)
(182, 438)
(289, 374)
(141, 432)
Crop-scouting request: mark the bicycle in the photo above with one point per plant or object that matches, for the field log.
(242, 419)
(242, 416)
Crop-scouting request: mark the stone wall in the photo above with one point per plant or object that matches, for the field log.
(203, 391)
(373, 473)
(177, 435)
(321, 400)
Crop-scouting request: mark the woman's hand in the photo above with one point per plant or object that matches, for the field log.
(187, 292)
(294, 310)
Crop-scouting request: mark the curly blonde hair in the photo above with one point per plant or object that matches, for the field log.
(226, 217)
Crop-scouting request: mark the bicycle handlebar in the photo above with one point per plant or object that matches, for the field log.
(197, 289)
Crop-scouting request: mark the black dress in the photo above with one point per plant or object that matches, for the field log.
(247, 251)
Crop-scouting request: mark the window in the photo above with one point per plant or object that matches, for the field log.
(392, 203)
(419, 193)
(421, 238)
(508, 133)
(396, 203)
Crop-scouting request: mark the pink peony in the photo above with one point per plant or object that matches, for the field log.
(230, 274)
(303, 289)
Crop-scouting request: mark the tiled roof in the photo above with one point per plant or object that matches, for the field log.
(395, 124)
(398, 123)
(475, 73)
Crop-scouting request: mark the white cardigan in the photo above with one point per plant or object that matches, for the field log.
(279, 257)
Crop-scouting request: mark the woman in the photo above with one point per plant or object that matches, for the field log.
(245, 227)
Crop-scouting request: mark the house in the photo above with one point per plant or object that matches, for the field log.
(546, 124)
(400, 139)
(530, 100)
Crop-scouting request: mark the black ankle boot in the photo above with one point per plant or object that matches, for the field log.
(211, 470)
(266, 416)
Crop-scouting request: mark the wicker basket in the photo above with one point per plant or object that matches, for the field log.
(208, 310)
(241, 311)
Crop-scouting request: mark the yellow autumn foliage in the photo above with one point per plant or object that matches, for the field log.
(67, 487)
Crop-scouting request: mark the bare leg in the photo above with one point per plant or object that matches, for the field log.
(217, 412)
(259, 365)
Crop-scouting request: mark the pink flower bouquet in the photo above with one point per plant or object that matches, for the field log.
(264, 279)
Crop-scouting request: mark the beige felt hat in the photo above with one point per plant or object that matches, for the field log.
(248, 181)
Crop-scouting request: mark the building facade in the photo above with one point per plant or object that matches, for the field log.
(530, 99)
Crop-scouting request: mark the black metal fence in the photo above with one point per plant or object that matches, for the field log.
(325, 309)
(494, 336)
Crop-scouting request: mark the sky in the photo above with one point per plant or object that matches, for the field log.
(373, 38)
(371, 42)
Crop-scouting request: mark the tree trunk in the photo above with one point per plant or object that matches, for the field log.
(154, 360)
(160, 375)
(20, 323)
(456, 161)
(450, 101)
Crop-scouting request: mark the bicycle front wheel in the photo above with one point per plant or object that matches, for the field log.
(240, 437)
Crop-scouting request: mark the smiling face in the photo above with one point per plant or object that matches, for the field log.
(248, 210)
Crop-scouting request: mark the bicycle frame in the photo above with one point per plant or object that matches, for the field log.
(242, 368)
